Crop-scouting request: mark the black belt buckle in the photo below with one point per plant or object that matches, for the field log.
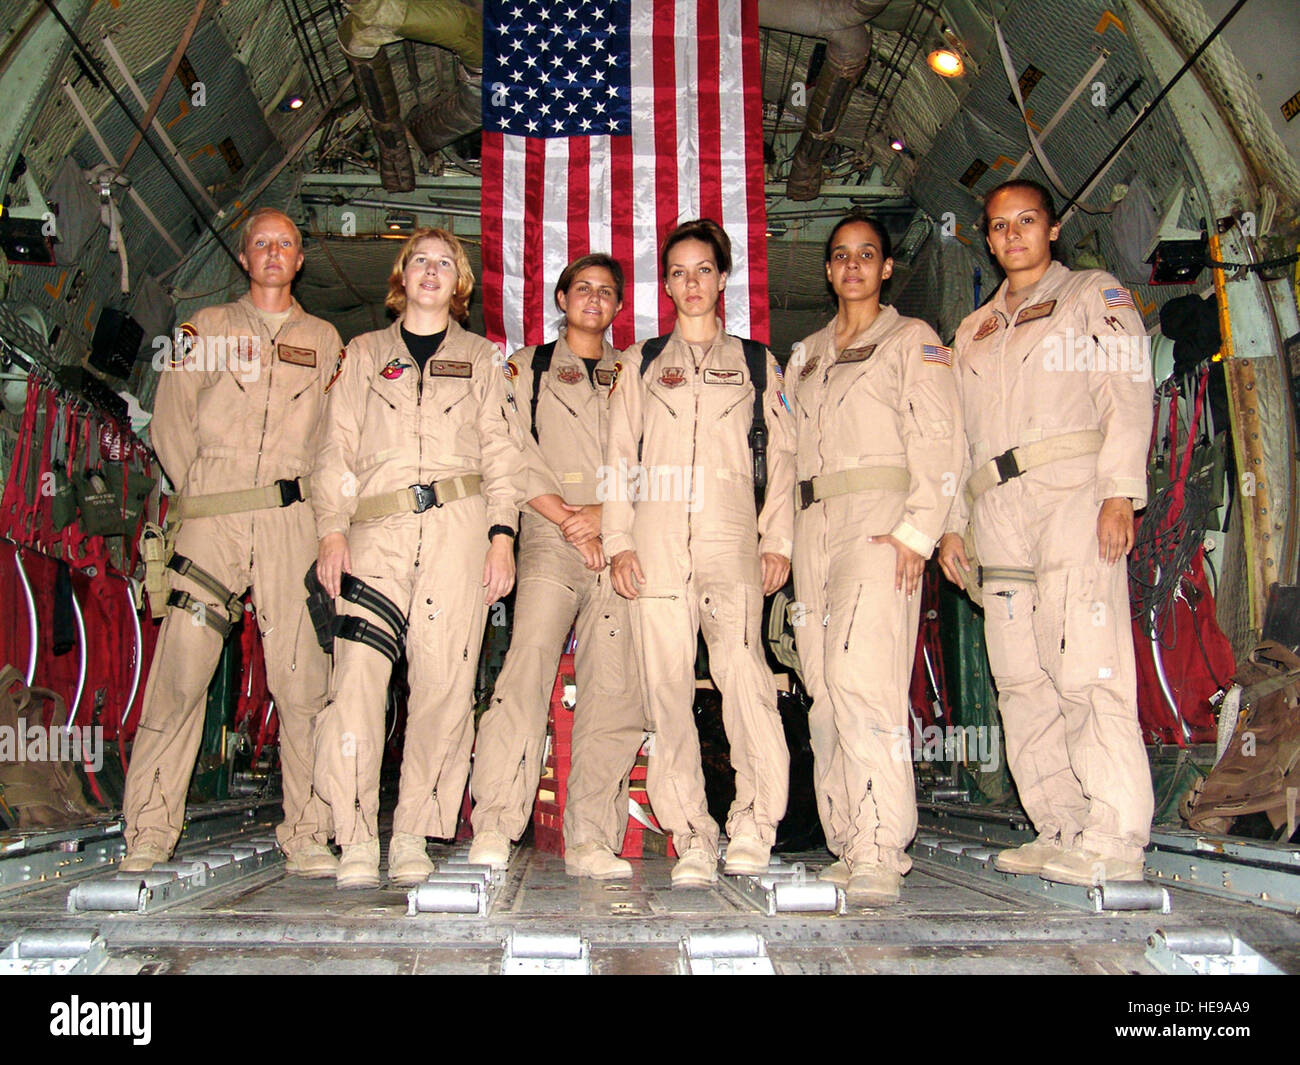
(425, 497)
(806, 497)
(1007, 466)
(290, 492)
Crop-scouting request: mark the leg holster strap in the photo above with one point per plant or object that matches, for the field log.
(210, 615)
(358, 591)
(359, 630)
(178, 563)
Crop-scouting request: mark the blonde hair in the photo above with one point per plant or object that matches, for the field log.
(396, 298)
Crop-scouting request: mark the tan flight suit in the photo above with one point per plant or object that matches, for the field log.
(888, 400)
(388, 427)
(554, 587)
(225, 423)
(698, 540)
(1062, 649)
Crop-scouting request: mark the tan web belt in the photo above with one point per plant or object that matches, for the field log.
(859, 479)
(418, 498)
(1017, 460)
(283, 493)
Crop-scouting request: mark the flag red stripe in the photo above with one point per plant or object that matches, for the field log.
(490, 268)
(710, 112)
(579, 197)
(759, 311)
(665, 126)
(621, 244)
(535, 168)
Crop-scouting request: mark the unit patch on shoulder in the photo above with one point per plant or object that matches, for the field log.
(338, 369)
(724, 377)
(296, 356)
(570, 375)
(1117, 297)
(861, 354)
(395, 368)
(809, 367)
(987, 328)
(672, 377)
(447, 368)
(936, 353)
(606, 378)
(1038, 310)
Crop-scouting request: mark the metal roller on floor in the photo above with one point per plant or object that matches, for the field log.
(532, 953)
(735, 953)
(788, 889)
(171, 882)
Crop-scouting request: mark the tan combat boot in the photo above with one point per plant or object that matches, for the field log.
(1086, 868)
(142, 857)
(359, 866)
(872, 885)
(490, 848)
(1029, 858)
(312, 861)
(596, 861)
(408, 859)
(747, 856)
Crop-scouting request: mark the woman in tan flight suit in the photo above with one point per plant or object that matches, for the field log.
(1056, 388)
(688, 549)
(416, 493)
(878, 440)
(569, 418)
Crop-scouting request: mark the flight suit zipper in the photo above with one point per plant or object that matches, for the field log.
(266, 417)
(419, 452)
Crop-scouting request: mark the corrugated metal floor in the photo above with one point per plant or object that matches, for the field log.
(949, 921)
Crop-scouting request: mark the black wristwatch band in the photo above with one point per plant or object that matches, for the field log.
(500, 529)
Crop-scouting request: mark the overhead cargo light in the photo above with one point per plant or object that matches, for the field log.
(946, 63)
(400, 223)
(898, 144)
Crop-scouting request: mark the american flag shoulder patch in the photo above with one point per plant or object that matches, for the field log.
(937, 353)
(1118, 297)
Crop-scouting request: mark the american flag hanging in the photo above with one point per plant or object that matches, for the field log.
(605, 123)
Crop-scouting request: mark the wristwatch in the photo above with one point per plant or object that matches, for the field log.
(500, 529)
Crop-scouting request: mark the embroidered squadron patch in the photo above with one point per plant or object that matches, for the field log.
(184, 342)
(936, 353)
(570, 375)
(672, 377)
(510, 369)
(861, 354)
(338, 369)
(1038, 310)
(296, 356)
(987, 328)
(447, 368)
(395, 368)
(1117, 297)
(809, 367)
(724, 377)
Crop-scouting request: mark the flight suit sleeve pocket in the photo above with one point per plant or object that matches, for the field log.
(933, 417)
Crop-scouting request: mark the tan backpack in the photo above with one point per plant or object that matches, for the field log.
(39, 793)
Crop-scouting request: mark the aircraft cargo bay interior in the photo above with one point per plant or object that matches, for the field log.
(649, 487)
